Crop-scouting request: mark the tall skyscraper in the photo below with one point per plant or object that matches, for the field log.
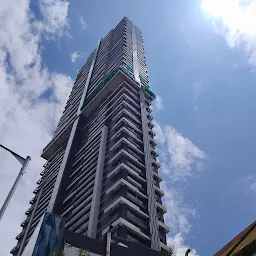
(102, 167)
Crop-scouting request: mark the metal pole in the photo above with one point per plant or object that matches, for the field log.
(29, 223)
(14, 186)
(187, 252)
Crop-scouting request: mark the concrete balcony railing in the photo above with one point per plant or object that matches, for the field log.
(101, 92)
(163, 226)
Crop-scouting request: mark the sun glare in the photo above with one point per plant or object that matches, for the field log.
(219, 8)
(236, 15)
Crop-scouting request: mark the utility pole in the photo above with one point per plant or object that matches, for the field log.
(24, 162)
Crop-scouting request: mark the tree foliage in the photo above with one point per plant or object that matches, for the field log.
(81, 252)
(171, 251)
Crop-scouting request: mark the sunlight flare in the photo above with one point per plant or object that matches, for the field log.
(219, 8)
(236, 15)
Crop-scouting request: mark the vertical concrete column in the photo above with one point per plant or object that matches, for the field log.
(153, 221)
(58, 183)
(30, 222)
(95, 205)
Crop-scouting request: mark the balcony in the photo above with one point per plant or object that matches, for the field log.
(45, 165)
(29, 210)
(36, 190)
(130, 204)
(39, 181)
(33, 200)
(123, 166)
(155, 173)
(152, 143)
(150, 125)
(149, 117)
(122, 222)
(158, 199)
(137, 221)
(15, 249)
(56, 142)
(24, 223)
(149, 92)
(144, 79)
(159, 191)
(161, 208)
(42, 173)
(160, 216)
(125, 153)
(163, 226)
(153, 156)
(102, 91)
(149, 109)
(154, 153)
(156, 164)
(156, 182)
(152, 134)
(164, 247)
(20, 235)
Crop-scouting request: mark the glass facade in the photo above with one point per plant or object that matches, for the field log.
(46, 237)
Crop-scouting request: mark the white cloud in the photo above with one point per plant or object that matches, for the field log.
(160, 136)
(82, 23)
(253, 186)
(177, 218)
(185, 158)
(26, 118)
(236, 19)
(179, 213)
(180, 248)
(249, 186)
(75, 55)
(197, 90)
(184, 154)
(54, 15)
(180, 160)
(159, 102)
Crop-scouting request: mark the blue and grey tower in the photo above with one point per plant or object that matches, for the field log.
(101, 165)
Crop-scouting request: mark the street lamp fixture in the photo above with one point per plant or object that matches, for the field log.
(24, 162)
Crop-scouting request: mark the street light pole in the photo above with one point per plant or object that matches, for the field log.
(24, 162)
(187, 252)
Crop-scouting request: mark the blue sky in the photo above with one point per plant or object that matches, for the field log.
(201, 66)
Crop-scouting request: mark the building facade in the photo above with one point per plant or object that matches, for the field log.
(102, 167)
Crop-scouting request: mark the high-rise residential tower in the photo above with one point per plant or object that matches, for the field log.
(102, 167)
